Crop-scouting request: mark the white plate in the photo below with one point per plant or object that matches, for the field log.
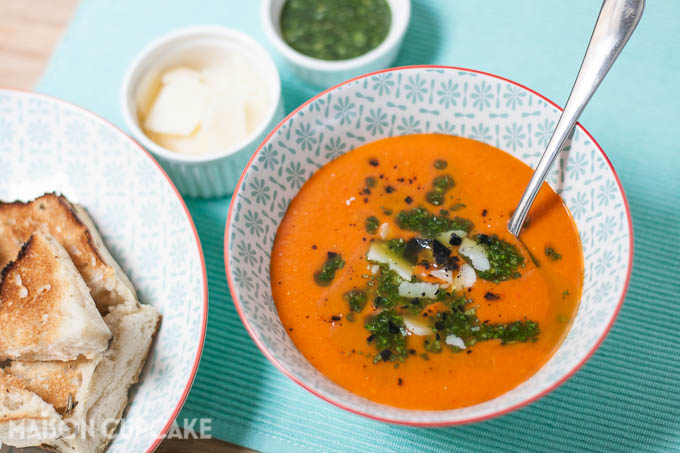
(49, 145)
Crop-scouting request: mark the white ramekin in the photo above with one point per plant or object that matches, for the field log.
(326, 73)
(205, 175)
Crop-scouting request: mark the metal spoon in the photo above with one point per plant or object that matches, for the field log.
(615, 24)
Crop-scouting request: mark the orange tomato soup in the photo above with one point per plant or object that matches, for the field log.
(329, 215)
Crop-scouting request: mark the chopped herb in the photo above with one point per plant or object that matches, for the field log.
(444, 212)
(552, 254)
(373, 162)
(397, 246)
(514, 332)
(565, 293)
(371, 181)
(372, 224)
(503, 258)
(389, 189)
(466, 325)
(357, 299)
(484, 212)
(349, 317)
(388, 335)
(563, 319)
(424, 356)
(440, 186)
(430, 225)
(387, 291)
(325, 275)
(386, 211)
(332, 30)
(457, 206)
(491, 296)
(433, 344)
(440, 164)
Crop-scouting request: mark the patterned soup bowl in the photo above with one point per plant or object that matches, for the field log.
(428, 100)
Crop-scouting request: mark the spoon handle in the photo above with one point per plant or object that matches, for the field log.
(615, 24)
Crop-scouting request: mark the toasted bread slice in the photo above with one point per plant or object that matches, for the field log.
(72, 228)
(92, 394)
(46, 311)
(25, 419)
(64, 385)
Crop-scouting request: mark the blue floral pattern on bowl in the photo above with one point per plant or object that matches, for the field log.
(428, 100)
(47, 145)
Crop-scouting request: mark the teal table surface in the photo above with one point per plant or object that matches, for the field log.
(626, 398)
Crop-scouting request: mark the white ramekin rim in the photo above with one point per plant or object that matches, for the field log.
(126, 96)
(401, 14)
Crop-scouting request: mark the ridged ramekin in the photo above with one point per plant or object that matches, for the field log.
(205, 175)
(326, 73)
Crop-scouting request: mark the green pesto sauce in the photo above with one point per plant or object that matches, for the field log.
(388, 335)
(325, 275)
(372, 224)
(440, 186)
(503, 258)
(333, 29)
(552, 254)
(428, 224)
(390, 338)
(356, 299)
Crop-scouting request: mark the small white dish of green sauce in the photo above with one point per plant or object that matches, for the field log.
(328, 41)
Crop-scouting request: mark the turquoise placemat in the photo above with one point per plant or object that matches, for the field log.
(627, 398)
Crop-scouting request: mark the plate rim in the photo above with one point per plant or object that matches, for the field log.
(498, 413)
(204, 275)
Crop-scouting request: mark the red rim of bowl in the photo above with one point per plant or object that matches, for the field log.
(204, 322)
(278, 365)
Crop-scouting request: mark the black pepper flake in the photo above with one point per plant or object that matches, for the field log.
(336, 318)
(469, 351)
(365, 200)
(412, 351)
(314, 247)
(385, 354)
(484, 239)
(373, 162)
(381, 176)
(331, 255)
(408, 200)
(455, 239)
(484, 212)
(370, 338)
(440, 252)
(491, 296)
(290, 329)
(366, 191)
(389, 189)
(399, 381)
(401, 179)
